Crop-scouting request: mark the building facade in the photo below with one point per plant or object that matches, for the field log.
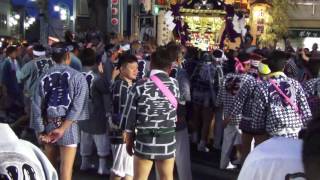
(5, 11)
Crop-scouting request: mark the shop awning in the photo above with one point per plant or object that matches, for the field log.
(303, 32)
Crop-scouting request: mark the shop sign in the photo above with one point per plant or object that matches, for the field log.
(302, 33)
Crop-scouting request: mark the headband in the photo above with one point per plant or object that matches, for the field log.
(62, 50)
(39, 53)
(239, 65)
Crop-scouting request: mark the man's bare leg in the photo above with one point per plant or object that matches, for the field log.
(246, 145)
(142, 168)
(165, 168)
(67, 157)
(260, 139)
(52, 153)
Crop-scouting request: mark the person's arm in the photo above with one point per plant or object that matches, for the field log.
(36, 120)
(130, 117)
(79, 107)
(304, 106)
(245, 92)
(130, 111)
(56, 134)
(221, 93)
(10, 82)
(184, 86)
(259, 111)
(25, 72)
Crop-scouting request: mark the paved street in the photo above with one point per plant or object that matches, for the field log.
(204, 167)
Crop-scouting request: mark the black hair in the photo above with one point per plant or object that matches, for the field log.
(217, 53)
(243, 56)
(160, 59)
(311, 150)
(277, 60)
(206, 57)
(10, 50)
(313, 67)
(260, 52)
(39, 47)
(126, 59)
(192, 53)
(75, 46)
(173, 50)
(68, 37)
(88, 57)
(110, 48)
(59, 52)
(109, 37)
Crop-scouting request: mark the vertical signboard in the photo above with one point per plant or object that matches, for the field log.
(115, 15)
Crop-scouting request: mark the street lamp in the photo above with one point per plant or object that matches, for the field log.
(56, 8)
(65, 14)
(17, 16)
(29, 21)
(13, 20)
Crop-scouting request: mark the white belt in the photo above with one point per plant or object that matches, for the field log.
(286, 131)
(246, 118)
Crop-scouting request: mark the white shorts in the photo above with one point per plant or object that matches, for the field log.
(100, 140)
(71, 145)
(122, 161)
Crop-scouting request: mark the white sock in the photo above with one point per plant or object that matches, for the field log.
(102, 163)
(202, 143)
(194, 137)
(85, 162)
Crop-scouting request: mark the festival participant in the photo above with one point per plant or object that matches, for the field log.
(32, 70)
(226, 99)
(94, 130)
(29, 75)
(243, 106)
(21, 159)
(9, 70)
(312, 89)
(183, 162)
(276, 158)
(219, 59)
(75, 61)
(143, 59)
(310, 151)
(296, 67)
(109, 61)
(151, 112)
(204, 94)
(60, 101)
(280, 104)
(123, 163)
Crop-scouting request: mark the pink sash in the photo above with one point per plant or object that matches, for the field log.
(165, 91)
(288, 100)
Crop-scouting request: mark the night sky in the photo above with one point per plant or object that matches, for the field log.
(32, 9)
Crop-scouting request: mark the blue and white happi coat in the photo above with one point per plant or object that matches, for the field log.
(31, 71)
(62, 93)
(273, 114)
(243, 104)
(98, 97)
(228, 92)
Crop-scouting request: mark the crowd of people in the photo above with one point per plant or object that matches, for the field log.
(145, 104)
